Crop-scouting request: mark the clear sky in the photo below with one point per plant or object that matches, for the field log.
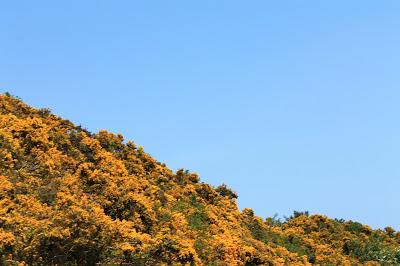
(293, 104)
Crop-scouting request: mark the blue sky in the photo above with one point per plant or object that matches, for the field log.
(293, 104)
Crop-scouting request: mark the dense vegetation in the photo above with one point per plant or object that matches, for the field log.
(70, 197)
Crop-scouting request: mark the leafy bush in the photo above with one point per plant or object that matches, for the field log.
(354, 227)
(296, 214)
(372, 250)
(224, 191)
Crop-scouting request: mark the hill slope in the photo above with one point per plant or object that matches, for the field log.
(70, 197)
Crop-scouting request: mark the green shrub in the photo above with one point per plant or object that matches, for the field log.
(354, 227)
(372, 250)
(224, 191)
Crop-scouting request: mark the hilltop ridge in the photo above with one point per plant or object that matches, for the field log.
(72, 197)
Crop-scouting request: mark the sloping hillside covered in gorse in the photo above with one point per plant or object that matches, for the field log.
(71, 197)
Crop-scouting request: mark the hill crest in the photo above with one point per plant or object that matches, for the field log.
(71, 197)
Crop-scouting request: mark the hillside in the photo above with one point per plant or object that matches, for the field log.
(71, 197)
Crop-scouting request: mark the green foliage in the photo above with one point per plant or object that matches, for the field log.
(354, 227)
(224, 191)
(295, 245)
(274, 220)
(341, 221)
(296, 214)
(9, 95)
(373, 250)
(198, 220)
(44, 112)
(184, 177)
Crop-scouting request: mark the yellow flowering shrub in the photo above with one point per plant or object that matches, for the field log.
(71, 197)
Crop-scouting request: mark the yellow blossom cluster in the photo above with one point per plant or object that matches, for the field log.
(71, 197)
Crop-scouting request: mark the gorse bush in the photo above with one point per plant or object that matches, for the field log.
(223, 190)
(71, 197)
